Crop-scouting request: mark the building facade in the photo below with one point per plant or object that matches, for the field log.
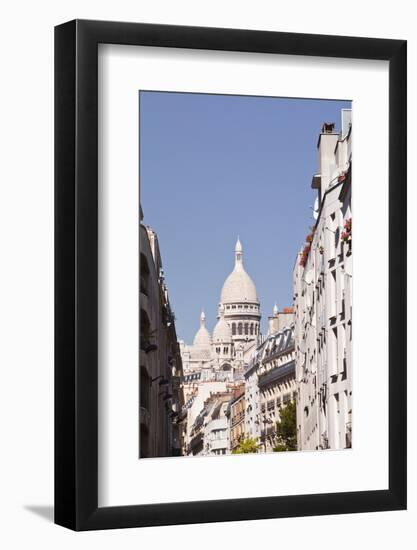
(236, 419)
(322, 281)
(161, 431)
(280, 319)
(276, 381)
(270, 385)
(209, 434)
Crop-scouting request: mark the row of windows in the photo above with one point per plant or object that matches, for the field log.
(242, 307)
(225, 350)
(280, 401)
(218, 434)
(245, 328)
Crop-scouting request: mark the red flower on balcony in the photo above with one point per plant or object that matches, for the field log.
(304, 255)
(346, 236)
(348, 224)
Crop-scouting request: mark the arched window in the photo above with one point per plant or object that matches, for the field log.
(251, 329)
(234, 329)
(246, 329)
(240, 329)
(146, 333)
(144, 275)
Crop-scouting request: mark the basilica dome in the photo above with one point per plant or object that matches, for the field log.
(202, 338)
(238, 287)
(222, 331)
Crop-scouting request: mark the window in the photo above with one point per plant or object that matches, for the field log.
(251, 329)
(234, 329)
(144, 275)
(246, 329)
(240, 329)
(332, 352)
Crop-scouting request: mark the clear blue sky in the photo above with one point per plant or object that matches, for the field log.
(214, 167)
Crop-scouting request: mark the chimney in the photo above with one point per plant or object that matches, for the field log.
(327, 162)
(327, 128)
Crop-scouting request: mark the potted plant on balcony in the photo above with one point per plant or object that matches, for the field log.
(304, 255)
(346, 235)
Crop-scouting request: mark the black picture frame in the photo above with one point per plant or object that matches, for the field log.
(76, 272)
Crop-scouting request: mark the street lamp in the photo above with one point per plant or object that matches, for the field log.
(265, 422)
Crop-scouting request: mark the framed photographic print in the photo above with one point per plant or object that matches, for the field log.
(230, 275)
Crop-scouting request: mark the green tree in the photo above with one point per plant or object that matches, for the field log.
(287, 429)
(249, 445)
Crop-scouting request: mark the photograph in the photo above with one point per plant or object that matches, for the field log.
(245, 274)
(178, 280)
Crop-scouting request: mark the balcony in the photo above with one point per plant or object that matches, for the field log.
(238, 417)
(218, 444)
(144, 302)
(217, 424)
(276, 374)
(144, 285)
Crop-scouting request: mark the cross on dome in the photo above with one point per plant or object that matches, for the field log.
(238, 252)
(202, 318)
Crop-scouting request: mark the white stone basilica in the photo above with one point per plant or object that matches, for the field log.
(222, 356)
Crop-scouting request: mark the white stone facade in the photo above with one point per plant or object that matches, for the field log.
(209, 433)
(322, 282)
(270, 385)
